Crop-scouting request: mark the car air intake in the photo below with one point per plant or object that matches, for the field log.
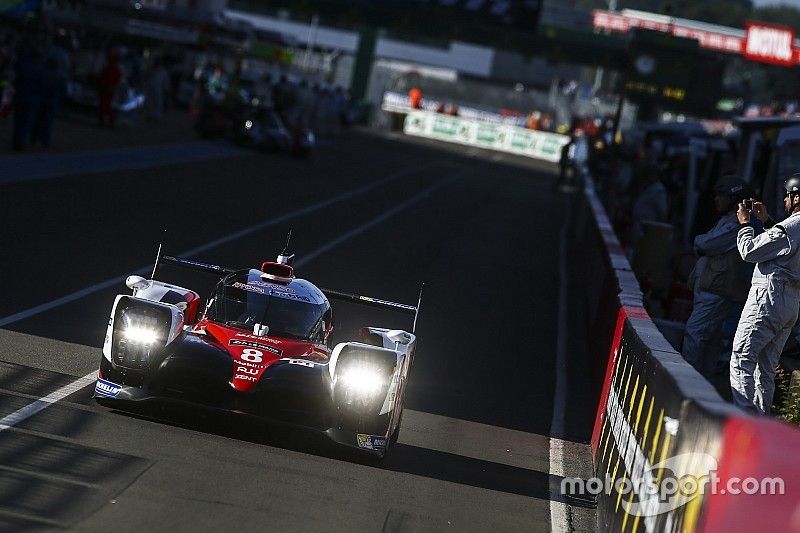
(277, 271)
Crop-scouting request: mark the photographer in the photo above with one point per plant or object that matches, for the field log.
(772, 303)
(720, 279)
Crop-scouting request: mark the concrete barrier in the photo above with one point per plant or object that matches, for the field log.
(659, 421)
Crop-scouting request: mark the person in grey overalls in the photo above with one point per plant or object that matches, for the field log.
(772, 303)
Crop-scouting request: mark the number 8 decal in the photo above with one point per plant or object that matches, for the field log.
(252, 356)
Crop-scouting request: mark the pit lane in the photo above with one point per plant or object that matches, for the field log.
(482, 232)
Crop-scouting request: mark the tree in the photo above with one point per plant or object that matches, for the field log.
(782, 14)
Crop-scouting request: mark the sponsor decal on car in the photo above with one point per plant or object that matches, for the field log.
(371, 442)
(275, 286)
(239, 342)
(301, 362)
(253, 365)
(106, 389)
(251, 288)
(255, 337)
(289, 296)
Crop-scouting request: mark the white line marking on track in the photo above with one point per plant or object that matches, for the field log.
(43, 403)
(374, 222)
(558, 510)
(27, 313)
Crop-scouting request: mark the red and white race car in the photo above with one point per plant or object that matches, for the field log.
(258, 346)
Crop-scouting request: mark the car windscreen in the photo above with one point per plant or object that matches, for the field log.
(285, 316)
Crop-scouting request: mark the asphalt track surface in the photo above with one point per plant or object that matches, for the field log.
(370, 213)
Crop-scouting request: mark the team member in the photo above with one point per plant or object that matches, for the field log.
(772, 304)
(721, 279)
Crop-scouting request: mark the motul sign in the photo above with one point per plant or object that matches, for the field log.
(769, 43)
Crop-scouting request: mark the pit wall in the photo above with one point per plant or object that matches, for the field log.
(655, 410)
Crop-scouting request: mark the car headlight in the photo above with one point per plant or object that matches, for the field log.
(139, 331)
(362, 380)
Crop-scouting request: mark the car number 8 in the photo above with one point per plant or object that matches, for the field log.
(252, 356)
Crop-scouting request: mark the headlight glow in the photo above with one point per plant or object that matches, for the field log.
(140, 335)
(361, 379)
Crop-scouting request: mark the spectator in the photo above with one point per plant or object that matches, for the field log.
(28, 94)
(110, 78)
(652, 202)
(573, 156)
(415, 97)
(720, 279)
(772, 303)
(156, 88)
(216, 86)
(54, 89)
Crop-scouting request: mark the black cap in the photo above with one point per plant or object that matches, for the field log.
(732, 184)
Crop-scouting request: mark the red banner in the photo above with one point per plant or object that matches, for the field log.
(767, 43)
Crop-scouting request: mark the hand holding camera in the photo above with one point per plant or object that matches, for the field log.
(751, 207)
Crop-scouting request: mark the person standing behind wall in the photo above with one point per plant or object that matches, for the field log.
(720, 279)
(415, 97)
(773, 301)
(110, 78)
(28, 81)
(54, 89)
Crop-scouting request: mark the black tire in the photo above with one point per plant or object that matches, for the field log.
(396, 433)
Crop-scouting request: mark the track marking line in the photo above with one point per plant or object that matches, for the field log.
(27, 313)
(559, 519)
(375, 221)
(31, 409)
(43, 403)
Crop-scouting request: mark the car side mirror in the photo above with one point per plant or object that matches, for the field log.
(137, 283)
(399, 336)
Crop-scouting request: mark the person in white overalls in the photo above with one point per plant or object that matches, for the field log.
(772, 303)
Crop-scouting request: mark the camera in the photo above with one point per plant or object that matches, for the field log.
(748, 204)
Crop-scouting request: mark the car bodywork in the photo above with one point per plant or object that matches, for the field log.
(258, 348)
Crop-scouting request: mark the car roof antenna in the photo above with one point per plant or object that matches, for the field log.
(284, 258)
(416, 312)
(158, 258)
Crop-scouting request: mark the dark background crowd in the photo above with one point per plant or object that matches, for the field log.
(47, 73)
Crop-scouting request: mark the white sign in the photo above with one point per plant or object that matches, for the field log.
(772, 44)
(500, 137)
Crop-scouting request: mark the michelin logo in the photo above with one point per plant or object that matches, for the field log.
(106, 389)
(371, 442)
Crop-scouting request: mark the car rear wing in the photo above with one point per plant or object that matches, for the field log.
(376, 302)
(221, 271)
(199, 266)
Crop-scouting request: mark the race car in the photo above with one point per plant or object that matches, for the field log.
(259, 347)
(263, 128)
